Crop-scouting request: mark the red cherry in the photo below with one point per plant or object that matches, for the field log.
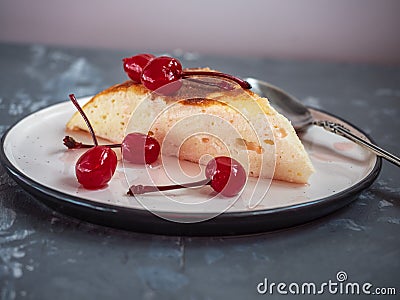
(224, 174)
(139, 148)
(134, 65)
(227, 175)
(96, 167)
(159, 72)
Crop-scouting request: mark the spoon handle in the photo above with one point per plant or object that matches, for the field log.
(343, 131)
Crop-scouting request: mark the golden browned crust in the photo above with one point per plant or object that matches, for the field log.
(201, 102)
(123, 87)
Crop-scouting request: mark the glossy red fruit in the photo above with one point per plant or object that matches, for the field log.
(161, 71)
(134, 65)
(96, 167)
(227, 175)
(139, 148)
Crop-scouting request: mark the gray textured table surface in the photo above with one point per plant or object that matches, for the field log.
(46, 255)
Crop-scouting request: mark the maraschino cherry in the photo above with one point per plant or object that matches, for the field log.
(163, 70)
(227, 175)
(134, 65)
(95, 167)
(139, 148)
(224, 174)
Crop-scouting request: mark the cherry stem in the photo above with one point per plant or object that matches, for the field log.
(79, 108)
(244, 84)
(142, 189)
(223, 84)
(71, 143)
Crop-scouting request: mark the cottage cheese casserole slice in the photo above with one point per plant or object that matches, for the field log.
(279, 149)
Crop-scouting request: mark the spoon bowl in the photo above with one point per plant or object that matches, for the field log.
(284, 103)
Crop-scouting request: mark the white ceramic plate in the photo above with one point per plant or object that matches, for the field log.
(33, 153)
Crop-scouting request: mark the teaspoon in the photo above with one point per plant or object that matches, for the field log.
(301, 118)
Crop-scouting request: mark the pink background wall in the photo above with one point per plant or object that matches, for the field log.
(335, 30)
